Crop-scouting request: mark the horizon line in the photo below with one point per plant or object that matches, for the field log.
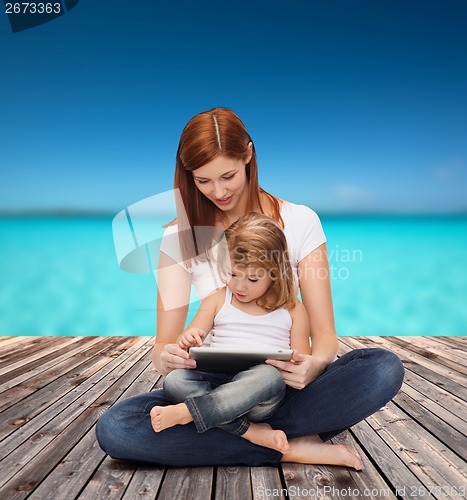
(83, 212)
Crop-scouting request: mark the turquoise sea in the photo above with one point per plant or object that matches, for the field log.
(391, 275)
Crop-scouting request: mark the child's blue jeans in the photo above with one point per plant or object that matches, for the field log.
(226, 401)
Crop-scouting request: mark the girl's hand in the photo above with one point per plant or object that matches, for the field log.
(191, 337)
(173, 356)
(301, 370)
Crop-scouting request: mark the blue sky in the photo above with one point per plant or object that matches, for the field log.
(352, 105)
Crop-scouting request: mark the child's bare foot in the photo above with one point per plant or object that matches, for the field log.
(163, 417)
(264, 435)
(311, 450)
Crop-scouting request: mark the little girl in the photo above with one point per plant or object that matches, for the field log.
(258, 308)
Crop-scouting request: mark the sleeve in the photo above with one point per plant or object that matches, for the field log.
(170, 245)
(311, 232)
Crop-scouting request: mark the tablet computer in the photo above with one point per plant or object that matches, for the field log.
(222, 360)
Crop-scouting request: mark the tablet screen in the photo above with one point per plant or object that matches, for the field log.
(234, 360)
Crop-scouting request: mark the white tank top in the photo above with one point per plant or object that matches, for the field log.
(234, 328)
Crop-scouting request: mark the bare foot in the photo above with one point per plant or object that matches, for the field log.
(311, 450)
(163, 417)
(264, 435)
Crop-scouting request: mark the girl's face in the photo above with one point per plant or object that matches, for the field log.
(248, 283)
(224, 182)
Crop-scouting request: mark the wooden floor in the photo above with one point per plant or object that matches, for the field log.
(53, 390)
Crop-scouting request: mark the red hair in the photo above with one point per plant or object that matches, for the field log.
(213, 133)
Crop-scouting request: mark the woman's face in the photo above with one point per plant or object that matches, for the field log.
(224, 182)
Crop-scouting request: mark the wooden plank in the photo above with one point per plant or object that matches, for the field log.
(409, 346)
(72, 472)
(450, 380)
(311, 481)
(72, 350)
(26, 384)
(109, 487)
(458, 342)
(319, 481)
(109, 471)
(6, 338)
(432, 354)
(7, 373)
(69, 464)
(422, 384)
(433, 408)
(425, 456)
(443, 398)
(433, 344)
(386, 461)
(34, 403)
(109, 475)
(35, 459)
(75, 470)
(451, 437)
(368, 480)
(194, 482)
(27, 365)
(233, 483)
(32, 430)
(34, 426)
(9, 357)
(266, 483)
(32, 473)
(13, 343)
(439, 396)
(145, 483)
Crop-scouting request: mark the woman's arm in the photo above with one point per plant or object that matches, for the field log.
(173, 297)
(315, 288)
(300, 331)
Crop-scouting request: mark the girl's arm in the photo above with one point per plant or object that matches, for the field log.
(203, 321)
(300, 331)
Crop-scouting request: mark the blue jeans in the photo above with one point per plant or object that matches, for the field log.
(351, 388)
(226, 401)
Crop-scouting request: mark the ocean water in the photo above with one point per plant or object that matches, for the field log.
(390, 276)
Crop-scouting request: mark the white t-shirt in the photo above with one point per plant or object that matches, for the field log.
(302, 229)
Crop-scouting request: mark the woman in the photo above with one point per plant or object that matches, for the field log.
(217, 178)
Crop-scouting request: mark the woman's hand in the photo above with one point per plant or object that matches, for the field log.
(301, 370)
(191, 337)
(173, 356)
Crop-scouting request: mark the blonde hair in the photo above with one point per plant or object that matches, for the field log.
(257, 240)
